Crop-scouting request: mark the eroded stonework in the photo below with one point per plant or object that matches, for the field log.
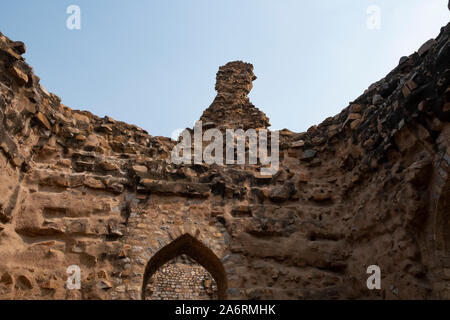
(369, 186)
(231, 108)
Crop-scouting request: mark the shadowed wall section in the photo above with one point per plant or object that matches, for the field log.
(444, 218)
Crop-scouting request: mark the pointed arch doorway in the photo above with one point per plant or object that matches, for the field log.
(194, 249)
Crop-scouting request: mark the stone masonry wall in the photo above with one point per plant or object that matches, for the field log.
(368, 186)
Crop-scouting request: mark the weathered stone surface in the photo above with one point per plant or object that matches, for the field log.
(355, 124)
(19, 47)
(298, 144)
(43, 120)
(20, 76)
(309, 154)
(377, 99)
(368, 186)
(426, 47)
(231, 107)
(356, 108)
(140, 170)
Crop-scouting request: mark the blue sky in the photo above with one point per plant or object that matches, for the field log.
(153, 62)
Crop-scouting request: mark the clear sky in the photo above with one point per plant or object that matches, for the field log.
(153, 62)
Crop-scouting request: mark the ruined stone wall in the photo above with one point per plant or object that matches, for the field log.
(367, 186)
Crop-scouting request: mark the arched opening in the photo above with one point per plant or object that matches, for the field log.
(195, 250)
(181, 278)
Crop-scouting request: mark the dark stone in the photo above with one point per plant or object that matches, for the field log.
(403, 59)
(282, 193)
(377, 99)
(19, 47)
(178, 188)
(426, 47)
(309, 154)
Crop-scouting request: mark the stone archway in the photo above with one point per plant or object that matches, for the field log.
(193, 248)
